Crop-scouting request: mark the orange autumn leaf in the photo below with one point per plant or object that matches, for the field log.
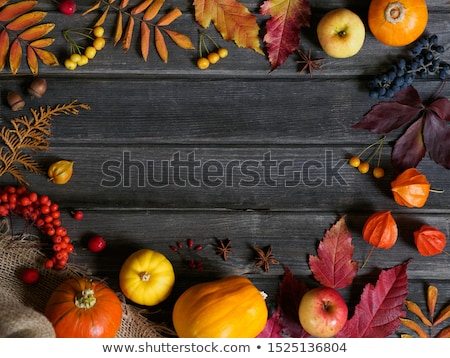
(26, 20)
(181, 40)
(442, 316)
(126, 42)
(119, 28)
(141, 7)
(35, 32)
(15, 56)
(92, 8)
(160, 44)
(4, 46)
(145, 40)
(32, 60)
(233, 20)
(3, 2)
(47, 57)
(414, 308)
(432, 295)
(444, 333)
(11, 11)
(415, 327)
(41, 43)
(170, 17)
(102, 18)
(153, 10)
(123, 4)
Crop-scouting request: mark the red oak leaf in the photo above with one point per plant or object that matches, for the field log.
(378, 313)
(282, 37)
(333, 265)
(427, 128)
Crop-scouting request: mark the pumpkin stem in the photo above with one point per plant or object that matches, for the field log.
(86, 300)
(394, 12)
(368, 257)
(145, 276)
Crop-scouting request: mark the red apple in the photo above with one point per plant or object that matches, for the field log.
(322, 312)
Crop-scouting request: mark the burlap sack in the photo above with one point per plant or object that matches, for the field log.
(21, 251)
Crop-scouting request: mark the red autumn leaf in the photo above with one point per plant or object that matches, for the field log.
(378, 313)
(333, 265)
(233, 20)
(287, 17)
(272, 328)
(427, 128)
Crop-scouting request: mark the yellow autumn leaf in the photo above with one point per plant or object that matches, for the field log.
(47, 57)
(180, 39)
(119, 28)
(170, 17)
(141, 7)
(414, 308)
(102, 18)
(160, 45)
(153, 10)
(145, 40)
(41, 43)
(442, 316)
(92, 8)
(126, 42)
(414, 326)
(11, 11)
(15, 56)
(26, 20)
(32, 60)
(35, 32)
(4, 47)
(432, 294)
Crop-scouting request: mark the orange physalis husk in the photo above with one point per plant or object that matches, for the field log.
(411, 188)
(429, 240)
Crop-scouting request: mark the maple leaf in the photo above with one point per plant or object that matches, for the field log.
(333, 265)
(427, 128)
(378, 313)
(282, 36)
(232, 19)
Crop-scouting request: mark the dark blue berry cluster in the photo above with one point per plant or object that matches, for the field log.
(424, 60)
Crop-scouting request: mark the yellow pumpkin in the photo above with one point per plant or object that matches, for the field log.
(397, 23)
(146, 277)
(231, 307)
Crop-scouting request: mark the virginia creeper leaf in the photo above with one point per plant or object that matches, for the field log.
(26, 20)
(15, 56)
(282, 37)
(436, 136)
(145, 40)
(160, 45)
(272, 329)
(32, 60)
(11, 11)
(233, 20)
(378, 313)
(180, 39)
(333, 265)
(409, 149)
(4, 47)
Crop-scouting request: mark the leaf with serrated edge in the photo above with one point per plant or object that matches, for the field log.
(41, 43)
(141, 7)
(181, 40)
(442, 316)
(32, 60)
(35, 32)
(9, 12)
(168, 18)
(119, 28)
(153, 10)
(26, 20)
(415, 327)
(145, 40)
(432, 295)
(160, 45)
(47, 57)
(4, 47)
(15, 56)
(233, 20)
(414, 308)
(126, 42)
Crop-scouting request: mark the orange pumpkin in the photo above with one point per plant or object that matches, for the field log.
(83, 308)
(380, 230)
(397, 23)
(411, 188)
(429, 240)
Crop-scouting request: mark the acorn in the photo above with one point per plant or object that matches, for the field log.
(38, 87)
(15, 101)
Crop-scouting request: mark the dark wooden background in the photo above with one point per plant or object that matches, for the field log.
(235, 111)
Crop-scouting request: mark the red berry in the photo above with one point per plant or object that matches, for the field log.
(96, 243)
(77, 214)
(30, 276)
(190, 243)
(67, 7)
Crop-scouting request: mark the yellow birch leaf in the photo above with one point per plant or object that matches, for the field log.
(145, 40)
(160, 45)
(47, 57)
(444, 333)
(180, 39)
(414, 308)
(141, 7)
(9, 12)
(153, 10)
(443, 315)
(26, 20)
(170, 17)
(32, 60)
(41, 43)
(4, 47)
(35, 32)
(123, 4)
(102, 18)
(432, 294)
(92, 8)
(126, 43)
(15, 56)
(414, 326)
(119, 28)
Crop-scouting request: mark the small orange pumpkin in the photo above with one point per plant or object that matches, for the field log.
(397, 23)
(411, 188)
(231, 307)
(429, 240)
(380, 230)
(83, 308)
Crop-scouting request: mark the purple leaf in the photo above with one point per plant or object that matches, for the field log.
(436, 135)
(409, 149)
(441, 107)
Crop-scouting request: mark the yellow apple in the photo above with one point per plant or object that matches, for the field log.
(341, 33)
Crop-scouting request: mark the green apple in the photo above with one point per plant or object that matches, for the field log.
(341, 33)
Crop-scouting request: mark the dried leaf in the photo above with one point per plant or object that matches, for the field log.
(414, 308)
(41, 43)
(123, 4)
(432, 295)
(26, 20)
(4, 47)
(141, 7)
(333, 266)
(414, 326)
(126, 42)
(35, 32)
(3, 2)
(32, 60)
(160, 45)
(442, 316)
(153, 10)
(47, 57)
(170, 17)
(232, 19)
(145, 40)
(15, 56)
(101, 20)
(287, 17)
(444, 333)
(180, 39)
(11, 11)
(119, 28)
(92, 8)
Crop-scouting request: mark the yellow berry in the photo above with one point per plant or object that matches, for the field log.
(213, 57)
(69, 64)
(223, 52)
(99, 43)
(98, 31)
(354, 162)
(364, 167)
(90, 52)
(75, 57)
(378, 172)
(83, 60)
(203, 63)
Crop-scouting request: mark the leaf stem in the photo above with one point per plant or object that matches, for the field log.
(368, 257)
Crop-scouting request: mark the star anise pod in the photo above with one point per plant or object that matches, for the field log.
(309, 63)
(223, 248)
(265, 259)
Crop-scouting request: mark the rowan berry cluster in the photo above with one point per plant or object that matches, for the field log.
(363, 165)
(80, 55)
(209, 57)
(44, 214)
